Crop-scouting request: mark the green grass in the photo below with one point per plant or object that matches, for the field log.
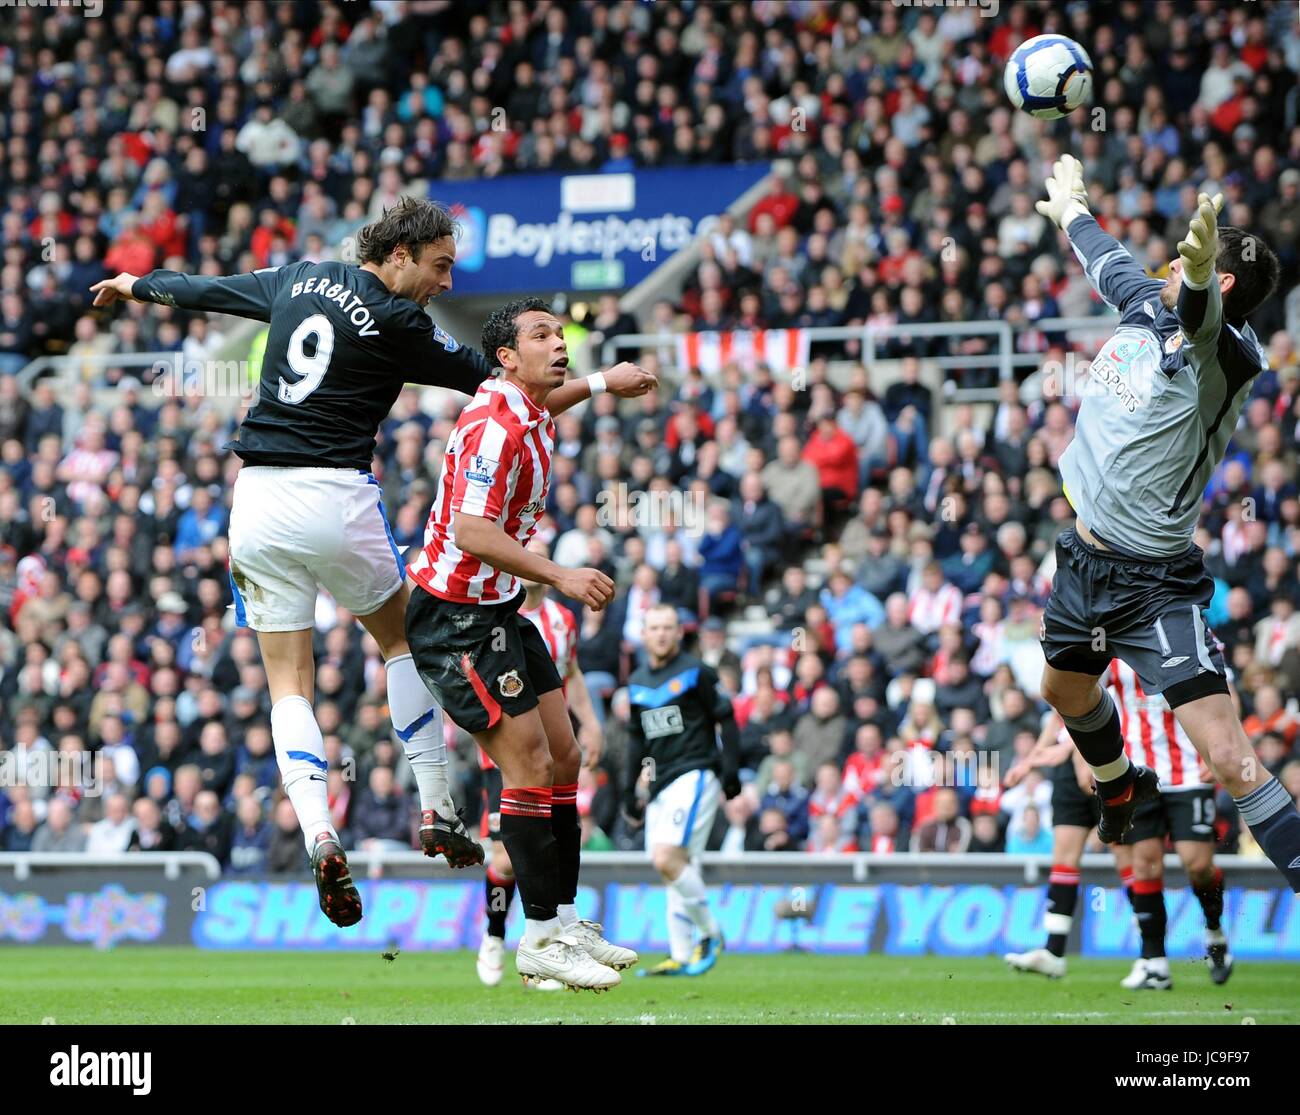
(181, 986)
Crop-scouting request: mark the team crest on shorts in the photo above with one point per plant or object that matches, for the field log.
(510, 684)
(1174, 342)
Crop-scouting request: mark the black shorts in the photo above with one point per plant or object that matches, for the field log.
(490, 818)
(1146, 613)
(1070, 805)
(479, 661)
(1182, 815)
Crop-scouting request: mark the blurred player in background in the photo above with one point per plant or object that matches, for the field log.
(1184, 811)
(559, 630)
(1174, 379)
(489, 667)
(1074, 816)
(679, 712)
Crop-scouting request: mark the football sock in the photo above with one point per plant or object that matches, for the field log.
(1097, 736)
(568, 848)
(1209, 893)
(1275, 824)
(1062, 897)
(1149, 906)
(300, 753)
(499, 893)
(417, 719)
(526, 833)
(695, 900)
(1126, 881)
(681, 928)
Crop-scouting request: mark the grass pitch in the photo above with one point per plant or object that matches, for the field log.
(179, 986)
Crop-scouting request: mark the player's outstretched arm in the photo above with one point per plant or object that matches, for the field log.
(248, 295)
(1113, 273)
(625, 380)
(1200, 302)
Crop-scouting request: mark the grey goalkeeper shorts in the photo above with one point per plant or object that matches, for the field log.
(1146, 612)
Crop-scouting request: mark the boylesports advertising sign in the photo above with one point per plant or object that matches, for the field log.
(603, 231)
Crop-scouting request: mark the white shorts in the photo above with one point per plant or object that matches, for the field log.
(682, 812)
(293, 529)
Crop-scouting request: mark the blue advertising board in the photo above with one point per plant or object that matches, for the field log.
(893, 919)
(547, 232)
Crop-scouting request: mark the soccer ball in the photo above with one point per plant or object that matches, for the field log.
(1048, 76)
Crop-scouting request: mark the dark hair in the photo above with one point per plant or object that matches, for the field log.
(412, 221)
(1252, 263)
(500, 330)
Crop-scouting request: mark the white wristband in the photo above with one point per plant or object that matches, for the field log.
(596, 383)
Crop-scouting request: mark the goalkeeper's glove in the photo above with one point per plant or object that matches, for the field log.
(1197, 252)
(730, 785)
(1066, 196)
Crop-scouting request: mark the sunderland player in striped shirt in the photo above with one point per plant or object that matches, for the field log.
(559, 631)
(1184, 811)
(1169, 386)
(343, 341)
(488, 666)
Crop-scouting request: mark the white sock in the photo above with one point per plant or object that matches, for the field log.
(1215, 937)
(536, 933)
(418, 722)
(695, 900)
(568, 914)
(300, 753)
(1110, 771)
(1158, 964)
(681, 929)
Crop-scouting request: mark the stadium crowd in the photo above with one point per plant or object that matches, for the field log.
(904, 573)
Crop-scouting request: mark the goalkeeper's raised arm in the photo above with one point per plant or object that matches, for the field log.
(1112, 271)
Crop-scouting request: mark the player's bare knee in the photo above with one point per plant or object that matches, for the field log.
(566, 758)
(667, 861)
(1068, 697)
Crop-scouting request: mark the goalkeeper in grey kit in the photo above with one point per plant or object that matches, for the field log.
(1129, 583)
(678, 716)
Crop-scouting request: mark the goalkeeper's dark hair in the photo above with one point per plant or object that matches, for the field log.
(501, 330)
(1254, 266)
(413, 221)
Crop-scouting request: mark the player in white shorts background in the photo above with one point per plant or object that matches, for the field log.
(343, 340)
(679, 712)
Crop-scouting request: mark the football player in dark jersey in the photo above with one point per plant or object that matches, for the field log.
(679, 713)
(343, 340)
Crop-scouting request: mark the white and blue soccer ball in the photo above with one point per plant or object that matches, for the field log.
(1048, 76)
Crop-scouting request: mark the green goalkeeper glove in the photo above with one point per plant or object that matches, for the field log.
(1067, 197)
(1202, 244)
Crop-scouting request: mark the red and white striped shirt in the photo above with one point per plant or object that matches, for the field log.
(1152, 734)
(497, 465)
(559, 629)
(928, 611)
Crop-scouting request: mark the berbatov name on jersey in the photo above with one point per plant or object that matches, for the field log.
(497, 465)
(339, 349)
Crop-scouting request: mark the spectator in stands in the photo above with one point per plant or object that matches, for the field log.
(111, 835)
(382, 815)
(947, 830)
(59, 833)
(762, 530)
(1028, 837)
